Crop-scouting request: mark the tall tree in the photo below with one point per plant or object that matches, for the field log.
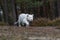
(44, 8)
(5, 10)
(52, 8)
(13, 9)
(58, 7)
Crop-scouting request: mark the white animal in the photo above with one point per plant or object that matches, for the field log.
(24, 19)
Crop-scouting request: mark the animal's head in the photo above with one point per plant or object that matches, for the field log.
(30, 17)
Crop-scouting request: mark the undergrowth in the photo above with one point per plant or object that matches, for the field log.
(46, 22)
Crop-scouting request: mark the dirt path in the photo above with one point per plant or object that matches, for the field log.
(20, 33)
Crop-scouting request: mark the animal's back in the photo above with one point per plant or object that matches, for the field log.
(22, 16)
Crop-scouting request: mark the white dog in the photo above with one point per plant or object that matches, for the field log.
(24, 19)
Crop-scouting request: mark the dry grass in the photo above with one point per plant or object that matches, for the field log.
(46, 22)
(2, 23)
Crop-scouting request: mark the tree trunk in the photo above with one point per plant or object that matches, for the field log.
(52, 8)
(38, 12)
(5, 9)
(13, 10)
(44, 9)
(58, 7)
(1, 3)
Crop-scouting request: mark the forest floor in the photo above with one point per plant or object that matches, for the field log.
(29, 33)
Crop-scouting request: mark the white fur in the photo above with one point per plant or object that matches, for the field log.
(24, 19)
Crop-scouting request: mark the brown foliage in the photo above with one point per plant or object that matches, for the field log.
(46, 22)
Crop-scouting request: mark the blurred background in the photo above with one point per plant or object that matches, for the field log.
(46, 12)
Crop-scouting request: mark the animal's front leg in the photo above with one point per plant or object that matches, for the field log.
(27, 24)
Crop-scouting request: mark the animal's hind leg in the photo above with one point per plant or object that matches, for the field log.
(19, 23)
